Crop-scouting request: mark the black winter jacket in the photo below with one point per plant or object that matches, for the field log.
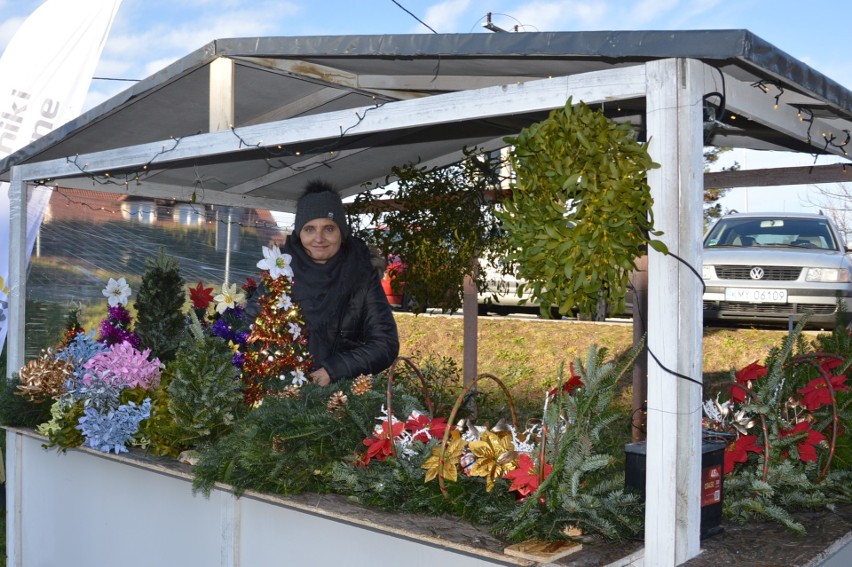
(364, 340)
(358, 334)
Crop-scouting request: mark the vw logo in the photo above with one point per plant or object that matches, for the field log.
(756, 273)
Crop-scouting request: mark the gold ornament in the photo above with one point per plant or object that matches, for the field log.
(44, 378)
(495, 456)
(336, 402)
(362, 384)
(447, 466)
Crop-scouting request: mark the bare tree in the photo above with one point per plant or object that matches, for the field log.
(835, 200)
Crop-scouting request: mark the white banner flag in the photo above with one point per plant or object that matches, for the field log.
(45, 73)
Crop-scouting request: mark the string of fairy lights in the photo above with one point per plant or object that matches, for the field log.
(807, 116)
(272, 158)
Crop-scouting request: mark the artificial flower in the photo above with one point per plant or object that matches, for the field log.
(737, 451)
(276, 262)
(495, 456)
(110, 431)
(299, 377)
(123, 365)
(751, 372)
(817, 394)
(201, 296)
(744, 378)
(570, 385)
(446, 466)
(526, 478)
(229, 298)
(380, 445)
(117, 292)
(115, 328)
(284, 302)
(423, 428)
(807, 448)
(45, 377)
(295, 329)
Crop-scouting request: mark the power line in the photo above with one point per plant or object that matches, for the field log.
(413, 16)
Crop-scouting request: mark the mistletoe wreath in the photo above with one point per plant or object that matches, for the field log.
(579, 213)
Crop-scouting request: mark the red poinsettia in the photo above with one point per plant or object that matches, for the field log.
(807, 448)
(737, 452)
(525, 478)
(426, 428)
(201, 296)
(380, 445)
(829, 364)
(570, 385)
(744, 377)
(816, 394)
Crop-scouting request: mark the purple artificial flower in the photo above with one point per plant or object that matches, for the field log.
(115, 328)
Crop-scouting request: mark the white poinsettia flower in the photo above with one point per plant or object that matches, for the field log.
(276, 262)
(299, 377)
(295, 330)
(284, 302)
(229, 298)
(117, 292)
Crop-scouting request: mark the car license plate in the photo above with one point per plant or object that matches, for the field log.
(756, 295)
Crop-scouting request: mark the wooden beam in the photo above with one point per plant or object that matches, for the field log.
(800, 175)
(535, 96)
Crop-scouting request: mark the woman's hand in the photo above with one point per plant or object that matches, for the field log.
(320, 377)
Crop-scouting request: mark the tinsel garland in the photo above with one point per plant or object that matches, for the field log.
(277, 346)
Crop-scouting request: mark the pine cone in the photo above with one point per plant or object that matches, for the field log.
(336, 402)
(362, 384)
(44, 378)
(290, 391)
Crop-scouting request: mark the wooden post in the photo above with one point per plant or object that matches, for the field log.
(221, 111)
(470, 313)
(673, 475)
(639, 279)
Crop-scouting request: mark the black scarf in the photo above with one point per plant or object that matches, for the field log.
(322, 291)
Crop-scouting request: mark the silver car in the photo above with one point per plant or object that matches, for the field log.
(774, 268)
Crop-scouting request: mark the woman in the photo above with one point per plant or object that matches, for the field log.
(351, 329)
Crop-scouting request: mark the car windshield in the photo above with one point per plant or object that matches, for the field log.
(771, 232)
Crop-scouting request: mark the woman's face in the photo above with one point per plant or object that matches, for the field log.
(321, 239)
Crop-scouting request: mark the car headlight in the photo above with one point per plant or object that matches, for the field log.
(828, 275)
(708, 272)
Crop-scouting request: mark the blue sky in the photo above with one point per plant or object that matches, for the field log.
(149, 34)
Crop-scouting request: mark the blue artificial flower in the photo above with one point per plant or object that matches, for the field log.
(78, 351)
(111, 430)
(100, 393)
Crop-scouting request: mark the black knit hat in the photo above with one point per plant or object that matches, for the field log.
(320, 201)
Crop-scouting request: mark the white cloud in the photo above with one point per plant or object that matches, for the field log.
(136, 54)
